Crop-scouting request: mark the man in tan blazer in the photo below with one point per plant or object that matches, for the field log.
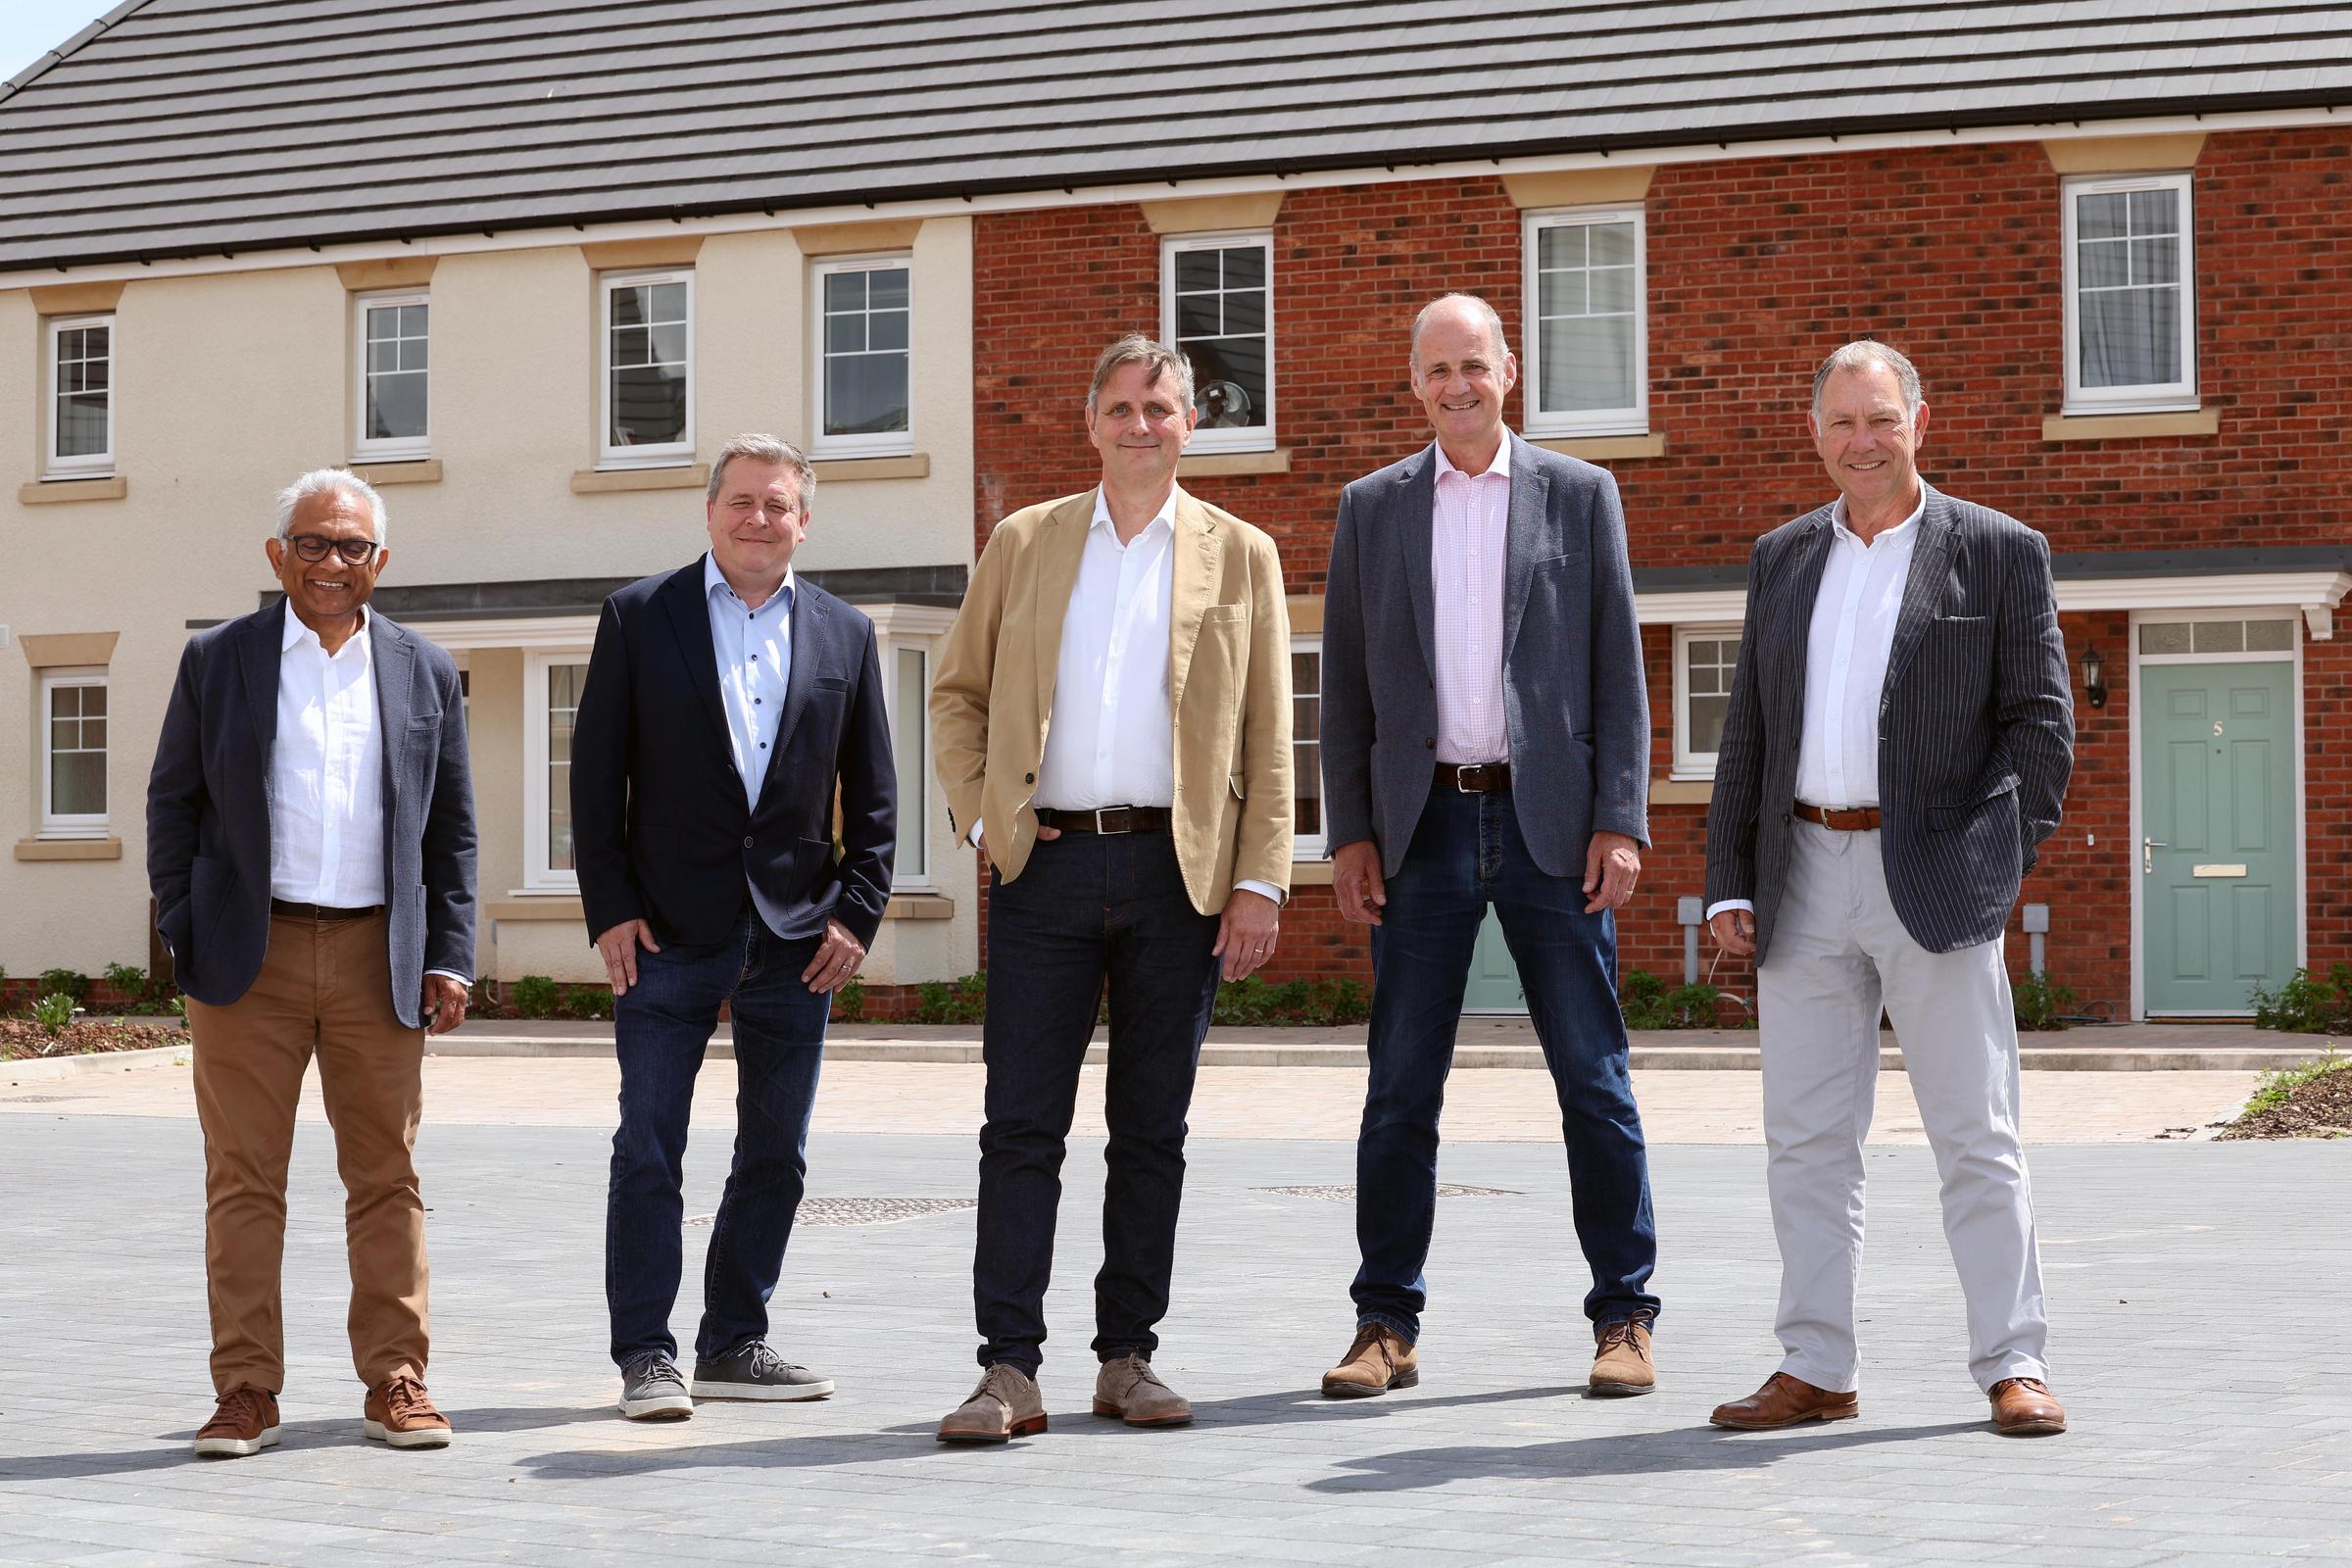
(1114, 712)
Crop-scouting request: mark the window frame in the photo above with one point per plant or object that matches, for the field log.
(71, 824)
(886, 444)
(917, 811)
(388, 449)
(85, 466)
(537, 875)
(1311, 846)
(2149, 397)
(1634, 419)
(1691, 764)
(667, 453)
(1262, 438)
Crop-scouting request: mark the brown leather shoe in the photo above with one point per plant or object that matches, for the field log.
(1621, 1364)
(399, 1412)
(1131, 1391)
(1379, 1360)
(1005, 1405)
(2025, 1407)
(1783, 1402)
(245, 1422)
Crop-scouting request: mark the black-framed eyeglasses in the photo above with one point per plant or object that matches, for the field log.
(316, 546)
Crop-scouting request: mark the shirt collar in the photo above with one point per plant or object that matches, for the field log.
(296, 632)
(1899, 533)
(1165, 518)
(715, 581)
(1501, 463)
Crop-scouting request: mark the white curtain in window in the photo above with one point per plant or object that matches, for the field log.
(2128, 287)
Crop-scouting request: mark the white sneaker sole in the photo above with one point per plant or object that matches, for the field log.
(235, 1448)
(760, 1390)
(423, 1437)
(663, 1407)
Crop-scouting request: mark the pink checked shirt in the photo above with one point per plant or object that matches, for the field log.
(1465, 568)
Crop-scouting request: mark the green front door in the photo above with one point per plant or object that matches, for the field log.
(1494, 977)
(2217, 864)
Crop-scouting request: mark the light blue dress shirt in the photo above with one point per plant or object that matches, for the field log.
(754, 666)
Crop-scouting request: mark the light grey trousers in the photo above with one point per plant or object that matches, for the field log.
(1838, 952)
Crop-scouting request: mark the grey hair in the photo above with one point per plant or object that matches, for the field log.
(1137, 349)
(1861, 355)
(765, 448)
(321, 481)
(1495, 335)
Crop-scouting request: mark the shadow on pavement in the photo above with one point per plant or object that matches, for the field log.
(1683, 1451)
(315, 1434)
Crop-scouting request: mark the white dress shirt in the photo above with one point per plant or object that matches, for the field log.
(1469, 521)
(1846, 644)
(753, 650)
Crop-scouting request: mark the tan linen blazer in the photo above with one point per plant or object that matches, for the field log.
(1229, 688)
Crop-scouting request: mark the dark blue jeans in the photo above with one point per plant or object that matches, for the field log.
(1466, 854)
(1088, 907)
(661, 1026)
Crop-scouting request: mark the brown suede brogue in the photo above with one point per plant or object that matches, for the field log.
(1621, 1359)
(2025, 1407)
(1784, 1401)
(1379, 1360)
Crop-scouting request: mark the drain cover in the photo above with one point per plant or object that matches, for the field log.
(1346, 1194)
(862, 1211)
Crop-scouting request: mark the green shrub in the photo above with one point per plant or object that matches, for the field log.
(2041, 1002)
(1252, 1002)
(64, 983)
(1648, 1004)
(849, 1001)
(963, 1000)
(52, 1013)
(2307, 1005)
(2279, 1084)
(127, 978)
(590, 1001)
(534, 995)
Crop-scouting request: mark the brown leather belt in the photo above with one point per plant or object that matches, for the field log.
(1110, 819)
(1474, 778)
(319, 912)
(1840, 819)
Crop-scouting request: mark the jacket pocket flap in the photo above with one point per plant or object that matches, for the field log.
(1943, 818)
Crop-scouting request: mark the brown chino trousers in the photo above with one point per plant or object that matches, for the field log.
(324, 987)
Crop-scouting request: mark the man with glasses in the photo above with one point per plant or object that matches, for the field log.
(311, 847)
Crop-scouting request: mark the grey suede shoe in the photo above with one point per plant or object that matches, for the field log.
(754, 1371)
(1005, 1405)
(1131, 1391)
(650, 1389)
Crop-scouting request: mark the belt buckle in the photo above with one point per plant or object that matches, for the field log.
(1460, 771)
(1104, 811)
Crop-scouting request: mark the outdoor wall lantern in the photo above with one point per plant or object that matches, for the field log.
(2094, 670)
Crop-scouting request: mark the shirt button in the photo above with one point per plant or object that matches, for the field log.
(746, 841)
(1028, 778)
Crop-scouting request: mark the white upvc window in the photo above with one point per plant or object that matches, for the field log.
(81, 396)
(865, 377)
(1587, 336)
(73, 754)
(1704, 659)
(911, 753)
(645, 368)
(1216, 306)
(1310, 832)
(551, 701)
(2130, 294)
(392, 395)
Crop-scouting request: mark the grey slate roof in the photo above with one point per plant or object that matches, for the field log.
(176, 128)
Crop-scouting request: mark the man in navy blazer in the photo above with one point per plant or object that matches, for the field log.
(311, 847)
(1496, 751)
(727, 705)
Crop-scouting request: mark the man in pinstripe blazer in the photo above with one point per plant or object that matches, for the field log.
(1898, 742)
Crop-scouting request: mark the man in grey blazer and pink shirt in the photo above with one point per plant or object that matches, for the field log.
(1897, 745)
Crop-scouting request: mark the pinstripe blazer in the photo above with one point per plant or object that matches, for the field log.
(1976, 723)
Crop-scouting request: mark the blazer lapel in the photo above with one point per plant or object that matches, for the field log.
(1058, 555)
(1193, 556)
(1523, 539)
(1931, 560)
(1811, 560)
(1417, 523)
(809, 619)
(259, 655)
(394, 658)
(689, 616)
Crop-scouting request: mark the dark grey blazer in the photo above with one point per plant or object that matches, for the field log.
(1574, 698)
(208, 809)
(1976, 727)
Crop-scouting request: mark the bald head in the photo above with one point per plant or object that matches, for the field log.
(1462, 311)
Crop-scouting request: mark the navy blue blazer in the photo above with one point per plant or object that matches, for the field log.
(208, 809)
(659, 822)
(1573, 691)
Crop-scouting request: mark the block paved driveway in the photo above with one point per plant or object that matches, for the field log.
(2199, 1291)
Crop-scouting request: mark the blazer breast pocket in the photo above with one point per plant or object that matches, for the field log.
(1220, 615)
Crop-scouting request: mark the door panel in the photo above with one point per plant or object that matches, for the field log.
(1494, 978)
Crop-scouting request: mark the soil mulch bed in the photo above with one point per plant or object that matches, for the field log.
(22, 1040)
(2319, 1108)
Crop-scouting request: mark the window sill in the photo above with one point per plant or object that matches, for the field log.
(906, 465)
(104, 849)
(382, 471)
(920, 906)
(1218, 465)
(110, 488)
(1310, 874)
(672, 476)
(1602, 448)
(2129, 426)
(1680, 791)
(551, 907)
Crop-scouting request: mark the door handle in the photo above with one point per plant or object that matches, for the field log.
(2147, 854)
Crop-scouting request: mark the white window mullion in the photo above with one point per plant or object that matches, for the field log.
(1310, 828)
(1216, 306)
(551, 687)
(863, 364)
(393, 391)
(1587, 322)
(2130, 293)
(1704, 660)
(73, 754)
(80, 413)
(645, 368)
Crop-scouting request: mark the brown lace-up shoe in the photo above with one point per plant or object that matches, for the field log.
(1005, 1405)
(1621, 1364)
(1379, 1360)
(1783, 1402)
(401, 1413)
(1131, 1391)
(2024, 1407)
(245, 1422)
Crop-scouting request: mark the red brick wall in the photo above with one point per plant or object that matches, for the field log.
(1757, 268)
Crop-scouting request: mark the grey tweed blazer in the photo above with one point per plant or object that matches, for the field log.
(1976, 726)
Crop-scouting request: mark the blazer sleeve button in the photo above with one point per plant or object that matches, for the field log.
(1430, 745)
(746, 841)
(1028, 778)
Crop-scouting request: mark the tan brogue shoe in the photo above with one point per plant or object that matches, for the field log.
(1621, 1362)
(2025, 1407)
(245, 1422)
(1005, 1405)
(401, 1413)
(1783, 1402)
(1379, 1360)
(1131, 1391)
